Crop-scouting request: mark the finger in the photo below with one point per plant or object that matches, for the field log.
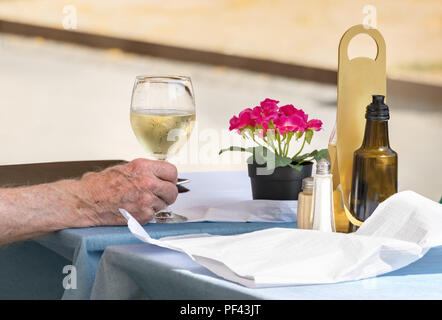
(158, 204)
(141, 210)
(165, 171)
(144, 215)
(150, 200)
(167, 192)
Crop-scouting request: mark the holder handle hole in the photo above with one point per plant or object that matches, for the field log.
(362, 45)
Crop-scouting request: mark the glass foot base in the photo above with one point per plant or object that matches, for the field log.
(169, 217)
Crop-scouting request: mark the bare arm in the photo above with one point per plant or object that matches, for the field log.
(142, 187)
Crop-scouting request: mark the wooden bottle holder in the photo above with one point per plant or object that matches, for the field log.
(358, 80)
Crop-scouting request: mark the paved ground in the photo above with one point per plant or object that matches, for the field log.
(303, 32)
(64, 102)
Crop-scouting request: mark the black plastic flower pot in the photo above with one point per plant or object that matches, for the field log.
(282, 183)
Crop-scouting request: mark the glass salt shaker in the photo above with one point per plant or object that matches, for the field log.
(322, 209)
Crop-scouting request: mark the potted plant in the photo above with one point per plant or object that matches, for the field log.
(274, 173)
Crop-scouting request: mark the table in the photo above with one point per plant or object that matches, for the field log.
(34, 269)
(145, 271)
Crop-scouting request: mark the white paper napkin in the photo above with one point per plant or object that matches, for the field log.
(401, 230)
(244, 211)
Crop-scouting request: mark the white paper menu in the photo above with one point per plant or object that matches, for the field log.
(400, 231)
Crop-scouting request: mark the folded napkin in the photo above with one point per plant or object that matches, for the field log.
(242, 211)
(400, 231)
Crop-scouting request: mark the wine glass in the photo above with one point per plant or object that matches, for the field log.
(162, 115)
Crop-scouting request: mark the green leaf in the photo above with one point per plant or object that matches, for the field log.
(305, 156)
(321, 154)
(262, 155)
(233, 148)
(296, 166)
(282, 161)
(308, 135)
(302, 157)
(265, 156)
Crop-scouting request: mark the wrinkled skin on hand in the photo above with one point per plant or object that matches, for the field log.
(141, 186)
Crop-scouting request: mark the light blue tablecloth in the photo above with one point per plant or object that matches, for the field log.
(34, 269)
(144, 271)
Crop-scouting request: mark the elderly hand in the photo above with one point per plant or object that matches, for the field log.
(141, 186)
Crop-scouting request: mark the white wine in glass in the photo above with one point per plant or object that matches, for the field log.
(162, 116)
(162, 132)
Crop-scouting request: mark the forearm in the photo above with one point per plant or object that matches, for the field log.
(30, 211)
(141, 186)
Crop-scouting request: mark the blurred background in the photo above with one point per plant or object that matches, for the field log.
(67, 71)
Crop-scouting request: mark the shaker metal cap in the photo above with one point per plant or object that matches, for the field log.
(307, 183)
(323, 167)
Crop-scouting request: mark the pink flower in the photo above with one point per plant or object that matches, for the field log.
(314, 124)
(291, 119)
(260, 117)
(290, 110)
(265, 113)
(269, 106)
(257, 113)
(290, 123)
(280, 125)
(243, 120)
(234, 123)
(269, 116)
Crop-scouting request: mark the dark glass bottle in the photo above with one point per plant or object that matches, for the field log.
(375, 164)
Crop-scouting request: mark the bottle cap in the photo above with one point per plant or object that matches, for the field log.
(307, 183)
(377, 110)
(323, 167)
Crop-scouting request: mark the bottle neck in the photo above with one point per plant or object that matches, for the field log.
(376, 134)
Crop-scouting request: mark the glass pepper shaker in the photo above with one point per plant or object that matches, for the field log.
(305, 200)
